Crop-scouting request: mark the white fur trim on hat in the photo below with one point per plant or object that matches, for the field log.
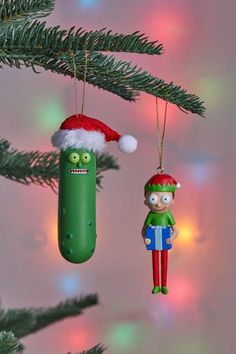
(79, 138)
(178, 185)
(127, 143)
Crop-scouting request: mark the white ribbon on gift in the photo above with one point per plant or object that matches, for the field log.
(158, 237)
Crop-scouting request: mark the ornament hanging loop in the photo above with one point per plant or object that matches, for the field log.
(160, 170)
(84, 80)
(160, 137)
(75, 82)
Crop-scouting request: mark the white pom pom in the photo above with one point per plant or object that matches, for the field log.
(127, 143)
(178, 185)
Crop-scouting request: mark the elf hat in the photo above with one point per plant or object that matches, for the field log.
(161, 183)
(82, 132)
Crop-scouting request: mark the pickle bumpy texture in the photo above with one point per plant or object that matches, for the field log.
(77, 204)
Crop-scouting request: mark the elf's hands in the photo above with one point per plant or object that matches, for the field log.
(174, 234)
(147, 241)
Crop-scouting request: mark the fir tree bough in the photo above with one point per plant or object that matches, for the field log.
(9, 344)
(98, 349)
(31, 44)
(23, 322)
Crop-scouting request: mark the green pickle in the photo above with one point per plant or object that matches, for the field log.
(77, 204)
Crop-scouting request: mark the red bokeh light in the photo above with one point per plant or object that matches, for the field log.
(148, 112)
(78, 338)
(171, 26)
(183, 293)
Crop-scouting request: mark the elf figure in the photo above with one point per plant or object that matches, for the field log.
(159, 229)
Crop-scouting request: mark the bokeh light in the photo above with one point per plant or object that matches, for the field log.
(172, 26)
(187, 232)
(201, 173)
(212, 89)
(78, 337)
(123, 336)
(50, 228)
(87, 3)
(70, 284)
(182, 294)
(49, 115)
(148, 109)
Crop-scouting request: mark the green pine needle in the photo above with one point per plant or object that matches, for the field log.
(117, 77)
(98, 349)
(9, 343)
(36, 36)
(23, 322)
(14, 12)
(41, 167)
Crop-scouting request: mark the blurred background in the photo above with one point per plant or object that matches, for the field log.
(198, 315)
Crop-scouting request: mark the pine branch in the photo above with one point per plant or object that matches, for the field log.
(133, 80)
(28, 167)
(51, 48)
(98, 71)
(35, 36)
(23, 322)
(9, 343)
(41, 167)
(98, 349)
(117, 77)
(16, 12)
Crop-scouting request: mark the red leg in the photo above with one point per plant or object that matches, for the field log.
(155, 268)
(164, 266)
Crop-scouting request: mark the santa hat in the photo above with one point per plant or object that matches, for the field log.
(161, 183)
(80, 131)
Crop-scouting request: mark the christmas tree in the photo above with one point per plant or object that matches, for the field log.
(26, 42)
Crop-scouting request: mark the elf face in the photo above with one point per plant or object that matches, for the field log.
(159, 202)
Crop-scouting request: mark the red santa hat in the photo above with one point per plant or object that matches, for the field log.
(80, 131)
(161, 182)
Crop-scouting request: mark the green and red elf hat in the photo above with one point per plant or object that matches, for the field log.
(82, 132)
(161, 183)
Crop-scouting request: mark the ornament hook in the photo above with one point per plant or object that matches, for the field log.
(160, 170)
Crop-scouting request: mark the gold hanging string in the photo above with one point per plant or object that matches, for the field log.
(160, 137)
(84, 81)
(75, 84)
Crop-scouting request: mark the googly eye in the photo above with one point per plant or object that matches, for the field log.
(85, 157)
(166, 199)
(153, 198)
(73, 157)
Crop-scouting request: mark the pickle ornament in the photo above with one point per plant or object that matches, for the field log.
(78, 139)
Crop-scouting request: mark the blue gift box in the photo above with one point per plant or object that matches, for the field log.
(158, 236)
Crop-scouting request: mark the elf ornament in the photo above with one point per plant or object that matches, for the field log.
(78, 139)
(159, 230)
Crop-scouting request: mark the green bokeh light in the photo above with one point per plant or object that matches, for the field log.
(124, 336)
(211, 90)
(49, 114)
